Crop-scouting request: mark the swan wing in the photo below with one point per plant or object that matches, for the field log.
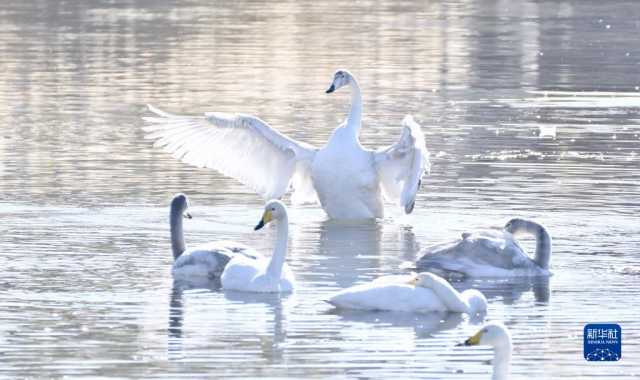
(241, 271)
(482, 253)
(239, 146)
(402, 165)
(392, 297)
(209, 260)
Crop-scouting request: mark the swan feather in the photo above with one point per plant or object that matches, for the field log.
(485, 253)
(239, 146)
(209, 260)
(402, 165)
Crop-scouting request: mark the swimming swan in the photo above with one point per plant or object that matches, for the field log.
(263, 275)
(205, 262)
(496, 335)
(423, 292)
(491, 253)
(348, 180)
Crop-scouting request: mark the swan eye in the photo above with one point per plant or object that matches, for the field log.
(273, 209)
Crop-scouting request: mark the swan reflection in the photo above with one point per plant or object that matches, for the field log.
(260, 315)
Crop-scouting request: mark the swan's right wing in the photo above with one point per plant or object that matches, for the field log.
(239, 146)
(402, 165)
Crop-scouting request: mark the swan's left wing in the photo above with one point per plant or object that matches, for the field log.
(402, 165)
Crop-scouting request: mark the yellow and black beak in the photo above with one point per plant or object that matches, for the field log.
(472, 341)
(266, 218)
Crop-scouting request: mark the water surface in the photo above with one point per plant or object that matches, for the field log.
(85, 265)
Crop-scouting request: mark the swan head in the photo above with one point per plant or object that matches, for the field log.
(424, 279)
(476, 300)
(273, 210)
(180, 205)
(340, 78)
(517, 225)
(493, 334)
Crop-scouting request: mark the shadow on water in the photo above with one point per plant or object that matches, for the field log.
(348, 248)
(509, 290)
(176, 310)
(270, 343)
(352, 251)
(423, 324)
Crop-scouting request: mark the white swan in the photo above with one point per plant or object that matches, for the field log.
(424, 292)
(346, 178)
(205, 262)
(491, 253)
(496, 335)
(263, 275)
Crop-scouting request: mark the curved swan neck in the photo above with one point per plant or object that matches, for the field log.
(502, 361)
(354, 120)
(543, 244)
(280, 250)
(543, 248)
(177, 234)
(450, 297)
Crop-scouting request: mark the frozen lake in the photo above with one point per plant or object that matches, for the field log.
(85, 282)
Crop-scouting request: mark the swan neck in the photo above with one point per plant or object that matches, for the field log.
(502, 361)
(354, 120)
(177, 234)
(280, 250)
(450, 297)
(543, 247)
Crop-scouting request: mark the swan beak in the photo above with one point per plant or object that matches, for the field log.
(473, 341)
(331, 89)
(187, 215)
(266, 218)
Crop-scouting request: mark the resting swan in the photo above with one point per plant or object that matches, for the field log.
(491, 253)
(262, 275)
(205, 262)
(496, 335)
(348, 180)
(423, 292)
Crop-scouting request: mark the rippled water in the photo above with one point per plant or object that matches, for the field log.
(85, 283)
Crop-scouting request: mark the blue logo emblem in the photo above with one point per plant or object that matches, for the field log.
(602, 342)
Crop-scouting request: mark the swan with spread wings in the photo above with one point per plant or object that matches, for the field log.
(349, 181)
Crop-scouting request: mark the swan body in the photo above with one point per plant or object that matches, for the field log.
(209, 260)
(249, 275)
(260, 274)
(346, 180)
(424, 292)
(496, 335)
(204, 262)
(349, 181)
(491, 253)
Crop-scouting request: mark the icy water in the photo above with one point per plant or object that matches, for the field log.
(85, 283)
